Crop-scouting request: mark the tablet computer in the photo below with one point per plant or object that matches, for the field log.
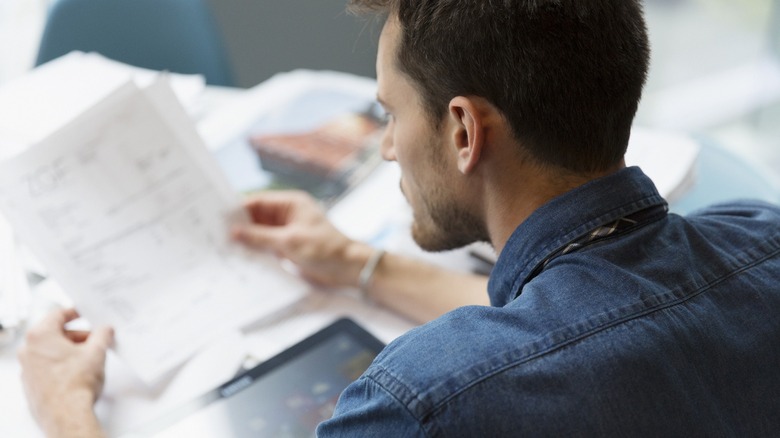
(285, 396)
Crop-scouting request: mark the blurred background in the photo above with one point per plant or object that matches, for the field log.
(715, 69)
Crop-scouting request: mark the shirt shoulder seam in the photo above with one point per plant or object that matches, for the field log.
(378, 369)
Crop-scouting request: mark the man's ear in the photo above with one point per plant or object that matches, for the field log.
(468, 136)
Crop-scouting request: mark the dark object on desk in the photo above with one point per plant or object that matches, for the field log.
(180, 36)
(326, 161)
(484, 258)
(288, 395)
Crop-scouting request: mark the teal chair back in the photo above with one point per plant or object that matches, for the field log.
(180, 36)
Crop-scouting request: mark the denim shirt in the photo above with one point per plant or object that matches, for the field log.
(671, 328)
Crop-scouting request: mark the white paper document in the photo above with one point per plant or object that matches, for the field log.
(129, 213)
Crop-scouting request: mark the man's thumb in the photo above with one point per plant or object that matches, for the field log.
(258, 236)
(101, 337)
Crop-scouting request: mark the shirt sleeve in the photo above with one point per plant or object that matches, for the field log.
(366, 409)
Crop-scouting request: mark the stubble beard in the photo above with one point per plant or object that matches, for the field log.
(442, 222)
(441, 219)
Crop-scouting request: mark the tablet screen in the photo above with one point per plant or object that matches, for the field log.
(286, 396)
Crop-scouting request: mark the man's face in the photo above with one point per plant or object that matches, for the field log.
(430, 178)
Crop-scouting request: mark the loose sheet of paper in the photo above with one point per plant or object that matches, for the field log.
(130, 215)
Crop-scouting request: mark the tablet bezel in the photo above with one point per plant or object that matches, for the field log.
(247, 378)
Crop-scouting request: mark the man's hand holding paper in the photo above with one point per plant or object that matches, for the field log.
(65, 369)
(292, 225)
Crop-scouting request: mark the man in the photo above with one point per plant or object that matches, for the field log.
(509, 120)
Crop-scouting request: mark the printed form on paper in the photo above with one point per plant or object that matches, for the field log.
(130, 214)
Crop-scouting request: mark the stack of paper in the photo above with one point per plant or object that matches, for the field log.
(130, 215)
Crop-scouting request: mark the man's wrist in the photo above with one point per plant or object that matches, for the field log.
(357, 255)
(366, 276)
(71, 416)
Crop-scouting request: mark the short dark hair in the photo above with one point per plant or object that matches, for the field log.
(567, 74)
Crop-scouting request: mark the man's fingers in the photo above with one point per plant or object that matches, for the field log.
(70, 314)
(56, 319)
(268, 211)
(101, 337)
(77, 336)
(277, 197)
(259, 236)
(278, 207)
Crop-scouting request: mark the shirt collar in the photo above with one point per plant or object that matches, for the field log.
(563, 219)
